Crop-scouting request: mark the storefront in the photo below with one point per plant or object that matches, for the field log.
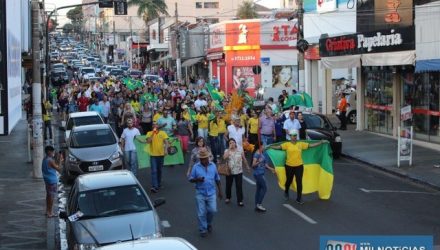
(239, 49)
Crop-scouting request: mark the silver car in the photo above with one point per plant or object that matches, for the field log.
(109, 207)
(92, 148)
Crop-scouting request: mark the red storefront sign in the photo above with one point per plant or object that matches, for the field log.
(285, 32)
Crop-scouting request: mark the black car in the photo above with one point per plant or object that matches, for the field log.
(319, 127)
(59, 78)
(118, 73)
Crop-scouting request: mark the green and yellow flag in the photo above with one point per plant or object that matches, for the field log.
(215, 95)
(192, 115)
(318, 169)
(143, 153)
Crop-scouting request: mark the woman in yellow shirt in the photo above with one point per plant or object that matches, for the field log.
(202, 122)
(214, 137)
(294, 162)
(221, 124)
(157, 115)
(252, 129)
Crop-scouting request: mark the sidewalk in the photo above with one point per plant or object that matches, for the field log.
(23, 224)
(380, 151)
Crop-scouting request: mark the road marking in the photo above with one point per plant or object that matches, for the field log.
(166, 224)
(249, 180)
(396, 191)
(300, 214)
(5, 141)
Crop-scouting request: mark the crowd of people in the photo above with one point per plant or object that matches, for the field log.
(207, 132)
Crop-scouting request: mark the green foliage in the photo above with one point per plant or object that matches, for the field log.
(67, 28)
(247, 10)
(149, 9)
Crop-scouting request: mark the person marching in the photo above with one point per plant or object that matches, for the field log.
(294, 162)
(259, 165)
(204, 174)
(127, 143)
(158, 141)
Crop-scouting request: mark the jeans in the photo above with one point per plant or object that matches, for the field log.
(214, 143)
(343, 118)
(47, 126)
(156, 170)
(206, 207)
(298, 173)
(221, 144)
(238, 186)
(266, 140)
(130, 161)
(261, 188)
(202, 132)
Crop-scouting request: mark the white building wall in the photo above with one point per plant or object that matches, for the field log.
(427, 37)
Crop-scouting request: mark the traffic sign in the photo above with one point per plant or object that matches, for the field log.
(120, 7)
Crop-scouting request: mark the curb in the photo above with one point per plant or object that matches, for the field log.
(387, 170)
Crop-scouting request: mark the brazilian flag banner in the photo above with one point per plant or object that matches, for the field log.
(143, 152)
(318, 169)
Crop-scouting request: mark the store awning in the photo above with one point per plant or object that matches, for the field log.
(429, 65)
(215, 56)
(161, 59)
(341, 62)
(191, 61)
(160, 47)
(389, 58)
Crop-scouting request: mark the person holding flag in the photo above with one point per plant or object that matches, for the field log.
(294, 163)
(158, 142)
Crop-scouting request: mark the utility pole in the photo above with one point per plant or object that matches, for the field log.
(114, 41)
(37, 121)
(130, 45)
(178, 62)
(301, 73)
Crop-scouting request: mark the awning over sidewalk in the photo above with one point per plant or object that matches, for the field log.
(389, 58)
(341, 62)
(427, 65)
(191, 61)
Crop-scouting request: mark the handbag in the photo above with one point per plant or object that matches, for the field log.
(223, 168)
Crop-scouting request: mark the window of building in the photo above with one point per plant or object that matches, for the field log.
(208, 20)
(199, 5)
(211, 5)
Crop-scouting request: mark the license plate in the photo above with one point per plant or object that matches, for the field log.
(96, 168)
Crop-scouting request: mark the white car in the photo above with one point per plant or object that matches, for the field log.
(163, 243)
(80, 119)
(107, 68)
(87, 72)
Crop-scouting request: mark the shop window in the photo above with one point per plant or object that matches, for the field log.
(211, 5)
(379, 100)
(199, 5)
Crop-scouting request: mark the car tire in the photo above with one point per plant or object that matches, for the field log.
(352, 116)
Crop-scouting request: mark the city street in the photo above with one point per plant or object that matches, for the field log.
(364, 202)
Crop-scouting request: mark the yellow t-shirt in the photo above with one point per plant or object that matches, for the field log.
(243, 119)
(213, 129)
(202, 120)
(136, 106)
(221, 126)
(157, 145)
(186, 116)
(253, 125)
(156, 117)
(293, 152)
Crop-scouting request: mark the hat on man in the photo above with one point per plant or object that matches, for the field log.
(293, 132)
(203, 153)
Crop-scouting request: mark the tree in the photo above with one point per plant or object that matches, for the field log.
(76, 16)
(149, 9)
(247, 10)
(67, 28)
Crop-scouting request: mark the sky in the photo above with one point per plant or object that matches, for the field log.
(62, 19)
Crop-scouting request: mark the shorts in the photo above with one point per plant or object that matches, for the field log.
(52, 189)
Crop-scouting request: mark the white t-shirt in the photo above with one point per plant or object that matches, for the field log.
(237, 135)
(291, 125)
(128, 136)
(199, 103)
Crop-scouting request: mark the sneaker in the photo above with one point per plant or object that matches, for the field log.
(286, 196)
(227, 201)
(203, 234)
(300, 202)
(154, 190)
(209, 228)
(241, 204)
(260, 208)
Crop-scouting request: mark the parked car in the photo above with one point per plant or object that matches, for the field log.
(80, 119)
(163, 243)
(58, 78)
(319, 127)
(109, 207)
(151, 78)
(134, 73)
(118, 73)
(92, 148)
(86, 72)
(106, 69)
(58, 67)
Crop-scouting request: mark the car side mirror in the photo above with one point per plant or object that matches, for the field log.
(63, 215)
(159, 202)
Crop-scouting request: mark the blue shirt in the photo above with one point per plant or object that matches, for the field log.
(279, 123)
(170, 122)
(261, 167)
(208, 187)
(49, 173)
(96, 108)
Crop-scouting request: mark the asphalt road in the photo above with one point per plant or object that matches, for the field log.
(364, 202)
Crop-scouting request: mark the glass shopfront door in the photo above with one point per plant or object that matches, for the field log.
(378, 99)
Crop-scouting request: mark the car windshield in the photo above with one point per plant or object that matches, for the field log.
(124, 67)
(88, 70)
(315, 121)
(92, 138)
(135, 73)
(81, 121)
(116, 72)
(112, 201)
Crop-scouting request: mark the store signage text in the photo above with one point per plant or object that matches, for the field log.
(340, 44)
(284, 33)
(242, 58)
(379, 40)
(217, 37)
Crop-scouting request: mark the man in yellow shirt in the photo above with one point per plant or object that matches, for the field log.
(158, 115)
(252, 129)
(47, 118)
(214, 138)
(221, 126)
(294, 162)
(158, 142)
(202, 121)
